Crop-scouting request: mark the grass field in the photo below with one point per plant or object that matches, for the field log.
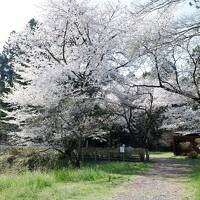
(92, 181)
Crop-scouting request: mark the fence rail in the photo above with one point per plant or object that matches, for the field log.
(100, 154)
(108, 155)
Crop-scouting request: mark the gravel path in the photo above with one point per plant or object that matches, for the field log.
(165, 181)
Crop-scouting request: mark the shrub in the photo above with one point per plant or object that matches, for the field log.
(21, 159)
(193, 155)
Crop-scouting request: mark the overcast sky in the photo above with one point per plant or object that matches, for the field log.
(14, 15)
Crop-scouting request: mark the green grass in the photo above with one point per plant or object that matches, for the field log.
(193, 185)
(92, 181)
(158, 154)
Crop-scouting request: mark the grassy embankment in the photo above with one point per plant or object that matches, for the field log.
(92, 181)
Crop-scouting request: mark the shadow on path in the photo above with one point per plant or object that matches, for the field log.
(169, 168)
(165, 181)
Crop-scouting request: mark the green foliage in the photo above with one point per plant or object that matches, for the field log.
(5, 73)
(6, 82)
(33, 24)
(7, 79)
(193, 155)
(91, 180)
(85, 174)
(194, 178)
(18, 159)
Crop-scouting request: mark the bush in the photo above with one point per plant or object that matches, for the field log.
(21, 159)
(193, 155)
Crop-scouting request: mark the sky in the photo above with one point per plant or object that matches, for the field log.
(14, 15)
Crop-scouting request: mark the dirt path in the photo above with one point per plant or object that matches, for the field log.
(165, 181)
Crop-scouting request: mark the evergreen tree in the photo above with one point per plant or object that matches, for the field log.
(7, 79)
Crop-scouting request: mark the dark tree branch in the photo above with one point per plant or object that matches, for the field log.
(64, 43)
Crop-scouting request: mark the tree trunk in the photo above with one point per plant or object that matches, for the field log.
(72, 151)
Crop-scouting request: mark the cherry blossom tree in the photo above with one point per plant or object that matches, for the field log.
(72, 53)
(81, 48)
(69, 57)
(137, 113)
(171, 51)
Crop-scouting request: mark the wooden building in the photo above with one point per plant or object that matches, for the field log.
(185, 142)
